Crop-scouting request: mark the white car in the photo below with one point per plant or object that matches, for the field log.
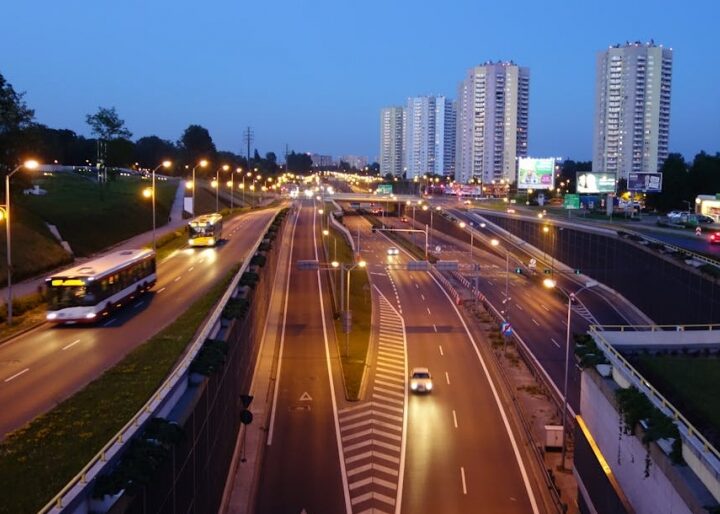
(420, 380)
(393, 250)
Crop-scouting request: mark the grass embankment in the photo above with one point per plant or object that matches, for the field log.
(92, 216)
(352, 347)
(690, 383)
(37, 460)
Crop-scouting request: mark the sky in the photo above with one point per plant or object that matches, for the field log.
(314, 74)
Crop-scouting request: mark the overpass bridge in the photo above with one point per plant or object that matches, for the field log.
(369, 198)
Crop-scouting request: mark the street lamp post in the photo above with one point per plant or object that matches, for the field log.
(165, 164)
(30, 165)
(225, 167)
(550, 283)
(347, 268)
(201, 164)
(506, 301)
(463, 225)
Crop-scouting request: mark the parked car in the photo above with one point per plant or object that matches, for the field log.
(420, 380)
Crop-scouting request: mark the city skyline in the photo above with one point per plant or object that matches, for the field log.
(320, 90)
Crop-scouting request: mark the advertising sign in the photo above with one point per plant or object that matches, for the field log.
(536, 173)
(645, 182)
(588, 182)
(571, 201)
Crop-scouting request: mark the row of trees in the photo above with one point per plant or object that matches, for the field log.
(22, 137)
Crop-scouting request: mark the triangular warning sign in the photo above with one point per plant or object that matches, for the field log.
(305, 397)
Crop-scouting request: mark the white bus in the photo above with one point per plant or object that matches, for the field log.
(92, 289)
(205, 230)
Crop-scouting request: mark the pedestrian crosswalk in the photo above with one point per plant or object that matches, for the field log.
(373, 432)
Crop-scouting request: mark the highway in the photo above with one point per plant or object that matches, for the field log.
(46, 365)
(461, 454)
(302, 470)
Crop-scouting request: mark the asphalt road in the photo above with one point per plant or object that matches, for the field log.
(42, 367)
(301, 470)
(459, 454)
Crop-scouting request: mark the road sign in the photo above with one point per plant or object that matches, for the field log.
(446, 265)
(532, 264)
(246, 417)
(308, 265)
(571, 201)
(438, 248)
(418, 266)
(246, 400)
(506, 328)
(384, 189)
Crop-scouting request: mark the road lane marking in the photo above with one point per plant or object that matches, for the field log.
(191, 268)
(533, 320)
(161, 290)
(417, 286)
(518, 306)
(543, 306)
(455, 419)
(177, 278)
(17, 375)
(447, 378)
(428, 309)
(564, 322)
(490, 283)
(441, 350)
(462, 473)
(555, 342)
(422, 296)
(71, 344)
(434, 327)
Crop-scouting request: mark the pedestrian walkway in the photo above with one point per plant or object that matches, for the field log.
(33, 285)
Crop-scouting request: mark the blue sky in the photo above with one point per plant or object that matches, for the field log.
(314, 74)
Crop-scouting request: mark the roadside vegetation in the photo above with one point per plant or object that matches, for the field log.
(37, 460)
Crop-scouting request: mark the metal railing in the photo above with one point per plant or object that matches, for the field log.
(78, 484)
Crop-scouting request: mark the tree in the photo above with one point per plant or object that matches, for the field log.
(120, 152)
(15, 118)
(107, 125)
(675, 188)
(299, 162)
(150, 151)
(197, 144)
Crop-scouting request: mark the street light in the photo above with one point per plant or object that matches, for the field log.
(463, 225)
(495, 242)
(202, 164)
(151, 193)
(550, 283)
(225, 167)
(345, 300)
(30, 165)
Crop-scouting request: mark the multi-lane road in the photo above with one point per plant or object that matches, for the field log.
(48, 364)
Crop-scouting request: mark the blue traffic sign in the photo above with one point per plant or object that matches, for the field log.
(506, 328)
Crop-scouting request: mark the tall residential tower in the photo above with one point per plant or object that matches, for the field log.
(492, 122)
(632, 108)
(392, 141)
(429, 136)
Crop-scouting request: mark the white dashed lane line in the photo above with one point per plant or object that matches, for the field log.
(455, 419)
(447, 377)
(8, 379)
(462, 474)
(191, 268)
(441, 350)
(555, 342)
(518, 306)
(71, 344)
(161, 290)
(434, 327)
(533, 320)
(544, 307)
(422, 296)
(490, 283)
(177, 278)
(428, 309)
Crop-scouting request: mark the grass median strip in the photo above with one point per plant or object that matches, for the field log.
(37, 460)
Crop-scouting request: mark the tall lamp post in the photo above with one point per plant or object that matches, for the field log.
(495, 242)
(150, 193)
(225, 167)
(345, 298)
(30, 165)
(202, 164)
(463, 225)
(550, 283)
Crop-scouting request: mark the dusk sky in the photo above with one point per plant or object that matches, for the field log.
(314, 74)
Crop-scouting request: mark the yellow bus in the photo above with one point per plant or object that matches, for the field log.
(205, 230)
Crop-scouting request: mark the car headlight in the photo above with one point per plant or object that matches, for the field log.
(429, 386)
(51, 315)
(413, 386)
(90, 315)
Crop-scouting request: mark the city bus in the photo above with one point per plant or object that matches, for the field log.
(205, 230)
(88, 291)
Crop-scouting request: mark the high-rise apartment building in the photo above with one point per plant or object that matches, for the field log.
(429, 136)
(492, 122)
(392, 141)
(357, 162)
(632, 108)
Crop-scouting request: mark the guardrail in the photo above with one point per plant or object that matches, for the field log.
(708, 455)
(172, 388)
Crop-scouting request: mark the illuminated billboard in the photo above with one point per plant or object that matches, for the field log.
(588, 182)
(536, 173)
(645, 182)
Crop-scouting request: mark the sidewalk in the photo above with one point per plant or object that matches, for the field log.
(33, 285)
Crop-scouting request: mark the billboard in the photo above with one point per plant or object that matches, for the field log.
(536, 173)
(588, 182)
(645, 182)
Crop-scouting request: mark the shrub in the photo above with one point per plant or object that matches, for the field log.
(258, 260)
(236, 308)
(249, 278)
(210, 358)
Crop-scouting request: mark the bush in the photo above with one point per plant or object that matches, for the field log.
(236, 308)
(210, 358)
(249, 278)
(258, 260)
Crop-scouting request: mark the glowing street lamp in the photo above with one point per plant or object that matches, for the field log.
(150, 193)
(29, 165)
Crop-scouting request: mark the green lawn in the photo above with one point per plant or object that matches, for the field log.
(691, 384)
(92, 216)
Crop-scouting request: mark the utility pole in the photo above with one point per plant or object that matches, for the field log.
(249, 137)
